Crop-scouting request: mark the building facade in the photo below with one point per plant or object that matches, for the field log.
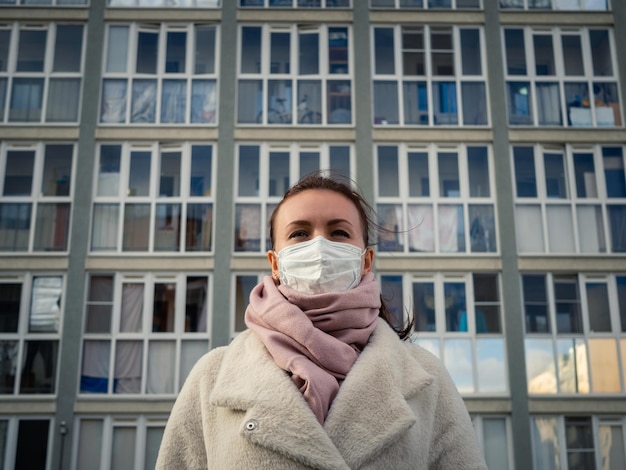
(144, 144)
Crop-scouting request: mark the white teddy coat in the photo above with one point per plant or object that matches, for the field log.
(397, 409)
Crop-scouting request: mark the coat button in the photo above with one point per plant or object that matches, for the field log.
(251, 425)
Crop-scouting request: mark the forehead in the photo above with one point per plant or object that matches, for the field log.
(317, 203)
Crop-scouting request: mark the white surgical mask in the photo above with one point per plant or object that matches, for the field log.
(318, 266)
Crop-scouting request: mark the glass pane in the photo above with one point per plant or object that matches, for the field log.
(448, 166)
(31, 54)
(117, 49)
(32, 444)
(424, 306)
(413, 51)
(536, 304)
(39, 369)
(529, 229)
(105, 227)
(579, 436)
(279, 173)
(421, 228)
(167, 227)
(248, 172)
(52, 227)
(14, 226)
(391, 291)
(173, 101)
(601, 52)
(546, 443)
(598, 307)
(113, 106)
(451, 228)
(309, 162)
(614, 175)
(143, 109)
(250, 50)
(544, 54)
(607, 109)
(386, 103)
(384, 51)
(560, 229)
(95, 369)
(549, 104)
(339, 102)
(340, 159)
(442, 53)
(309, 53)
(572, 55)
(591, 229)
(99, 305)
(8, 367)
(496, 443)
(5, 36)
(18, 175)
(63, 100)
(572, 364)
(419, 182)
(3, 92)
(132, 308)
(390, 227)
(280, 53)
(204, 57)
(139, 177)
(617, 218)
(470, 52)
(190, 352)
(244, 285)
(540, 367)
(567, 304)
(45, 308)
(200, 179)
(247, 227)
(577, 98)
(338, 50)
(415, 103)
(491, 366)
(154, 435)
(556, 184)
(520, 103)
(584, 170)
(515, 51)
(456, 310)
(89, 442)
(68, 48)
(487, 303)
(123, 448)
(478, 170)
(249, 102)
(161, 367)
(26, 100)
(169, 182)
(10, 297)
(196, 304)
(203, 101)
(445, 103)
(309, 102)
(604, 366)
(612, 451)
(57, 170)
(620, 281)
(458, 361)
(482, 228)
(136, 227)
(163, 313)
(175, 52)
(199, 227)
(474, 103)
(147, 51)
(128, 361)
(388, 173)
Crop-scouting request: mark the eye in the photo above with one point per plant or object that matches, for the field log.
(297, 234)
(341, 233)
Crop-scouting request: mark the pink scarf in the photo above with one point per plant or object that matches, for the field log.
(316, 338)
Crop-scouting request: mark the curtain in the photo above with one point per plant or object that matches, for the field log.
(421, 228)
(249, 101)
(144, 101)
(132, 308)
(248, 227)
(26, 100)
(161, 367)
(14, 226)
(128, 365)
(51, 227)
(63, 100)
(560, 229)
(203, 101)
(113, 101)
(173, 101)
(45, 307)
(105, 226)
(451, 233)
(548, 104)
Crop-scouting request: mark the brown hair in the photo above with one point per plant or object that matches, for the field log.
(342, 185)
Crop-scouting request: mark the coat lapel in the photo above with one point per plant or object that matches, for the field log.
(371, 409)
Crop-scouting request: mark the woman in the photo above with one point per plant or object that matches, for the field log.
(320, 379)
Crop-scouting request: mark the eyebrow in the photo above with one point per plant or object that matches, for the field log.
(307, 223)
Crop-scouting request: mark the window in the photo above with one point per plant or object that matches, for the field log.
(574, 341)
(294, 3)
(429, 75)
(494, 435)
(430, 4)
(143, 332)
(561, 77)
(295, 75)
(165, 3)
(265, 172)
(121, 441)
(578, 442)
(155, 198)
(459, 319)
(46, 3)
(160, 74)
(40, 81)
(35, 205)
(588, 5)
(30, 328)
(435, 199)
(570, 200)
(243, 285)
(25, 442)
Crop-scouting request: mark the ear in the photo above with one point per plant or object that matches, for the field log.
(368, 261)
(272, 257)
